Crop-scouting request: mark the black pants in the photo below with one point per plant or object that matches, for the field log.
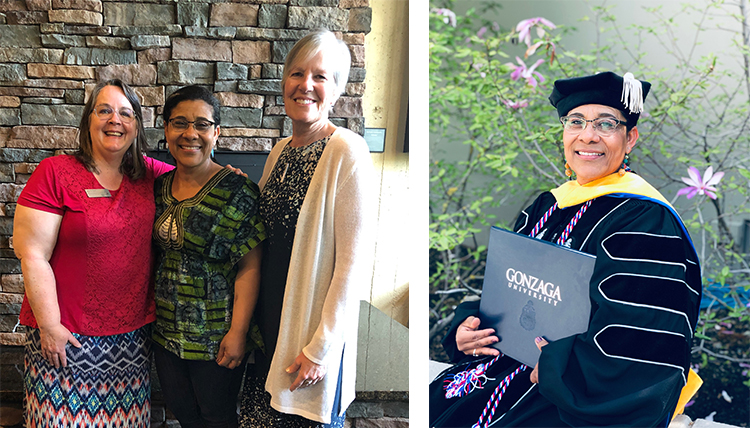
(201, 394)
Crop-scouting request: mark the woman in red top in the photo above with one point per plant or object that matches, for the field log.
(82, 231)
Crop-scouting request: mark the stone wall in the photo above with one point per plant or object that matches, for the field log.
(52, 53)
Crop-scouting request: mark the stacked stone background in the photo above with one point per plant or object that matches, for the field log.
(52, 53)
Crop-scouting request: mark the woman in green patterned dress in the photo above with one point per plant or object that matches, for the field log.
(206, 235)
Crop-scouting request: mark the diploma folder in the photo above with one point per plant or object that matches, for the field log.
(533, 288)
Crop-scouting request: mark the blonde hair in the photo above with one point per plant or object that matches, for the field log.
(314, 43)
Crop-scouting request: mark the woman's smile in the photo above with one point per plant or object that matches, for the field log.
(592, 155)
(309, 90)
(189, 147)
(304, 101)
(112, 135)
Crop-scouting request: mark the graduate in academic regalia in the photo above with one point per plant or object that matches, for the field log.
(629, 368)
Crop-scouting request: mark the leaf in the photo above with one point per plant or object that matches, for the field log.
(702, 336)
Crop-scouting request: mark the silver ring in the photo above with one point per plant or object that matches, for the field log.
(474, 352)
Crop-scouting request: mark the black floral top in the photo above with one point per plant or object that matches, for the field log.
(280, 203)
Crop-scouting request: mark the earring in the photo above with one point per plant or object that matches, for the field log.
(568, 171)
(625, 168)
(212, 153)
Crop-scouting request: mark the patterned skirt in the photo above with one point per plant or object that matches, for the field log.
(106, 384)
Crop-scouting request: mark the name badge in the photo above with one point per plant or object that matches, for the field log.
(98, 193)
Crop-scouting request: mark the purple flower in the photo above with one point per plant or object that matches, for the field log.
(516, 104)
(481, 32)
(450, 16)
(700, 186)
(524, 28)
(527, 73)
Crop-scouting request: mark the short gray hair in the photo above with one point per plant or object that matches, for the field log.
(315, 42)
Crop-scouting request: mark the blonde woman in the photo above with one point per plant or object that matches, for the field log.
(318, 207)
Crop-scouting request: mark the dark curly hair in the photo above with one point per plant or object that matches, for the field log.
(190, 93)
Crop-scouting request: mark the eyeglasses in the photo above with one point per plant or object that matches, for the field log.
(200, 125)
(604, 126)
(105, 112)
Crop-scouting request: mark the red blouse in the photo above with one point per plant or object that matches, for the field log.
(102, 260)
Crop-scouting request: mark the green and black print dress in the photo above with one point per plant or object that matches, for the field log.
(198, 242)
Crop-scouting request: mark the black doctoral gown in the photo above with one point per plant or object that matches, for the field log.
(629, 367)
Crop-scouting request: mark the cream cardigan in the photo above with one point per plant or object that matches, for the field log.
(329, 273)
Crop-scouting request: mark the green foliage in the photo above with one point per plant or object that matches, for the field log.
(486, 153)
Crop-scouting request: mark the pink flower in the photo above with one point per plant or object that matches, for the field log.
(535, 46)
(450, 16)
(477, 67)
(516, 104)
(700, 186)
(527, 73)
(524, 28)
